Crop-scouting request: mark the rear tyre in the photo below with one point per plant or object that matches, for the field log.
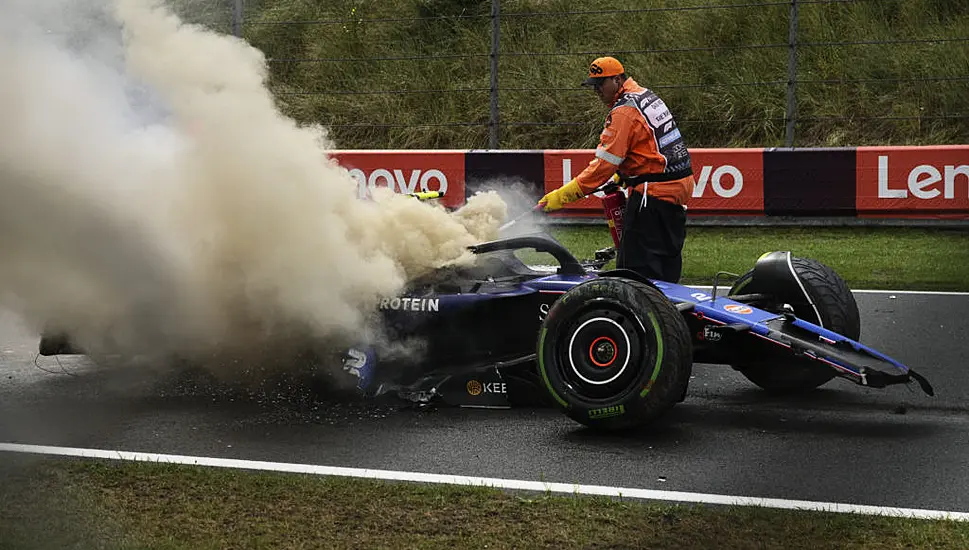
(614, 354)
(834, 308)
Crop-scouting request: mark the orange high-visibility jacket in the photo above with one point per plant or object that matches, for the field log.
(640, 138)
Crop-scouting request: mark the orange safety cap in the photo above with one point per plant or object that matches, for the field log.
(603, 67)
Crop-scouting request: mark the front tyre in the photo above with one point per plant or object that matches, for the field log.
(615, 354)
(831, 305)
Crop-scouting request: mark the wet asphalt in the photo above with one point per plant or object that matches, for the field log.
(845, 443)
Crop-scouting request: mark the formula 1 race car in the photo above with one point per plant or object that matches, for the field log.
(611, 349)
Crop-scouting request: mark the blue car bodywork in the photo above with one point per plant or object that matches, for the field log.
(477, 328)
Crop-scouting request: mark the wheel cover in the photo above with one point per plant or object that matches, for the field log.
(602, 352)
(595, 328)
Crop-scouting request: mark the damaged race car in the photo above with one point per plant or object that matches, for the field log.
(609, 348)
(612, 349)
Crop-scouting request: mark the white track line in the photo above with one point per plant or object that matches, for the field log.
(537, 486)
(865, 291)
(915, 292)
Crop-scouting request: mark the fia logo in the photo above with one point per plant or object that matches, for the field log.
(711, 334)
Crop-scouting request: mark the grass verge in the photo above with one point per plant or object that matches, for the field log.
(94, 504)
(870, 258)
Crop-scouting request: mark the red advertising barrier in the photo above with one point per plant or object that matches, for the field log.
(728, 181)
(919, 182)
(407, 172)
(922, 182)
(560, 167)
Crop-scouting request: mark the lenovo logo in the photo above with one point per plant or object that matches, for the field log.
(407, 172)
(922, 182)
(726, 181)
(399, 181)
(913, 181)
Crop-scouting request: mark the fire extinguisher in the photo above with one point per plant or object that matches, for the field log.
(614, 204)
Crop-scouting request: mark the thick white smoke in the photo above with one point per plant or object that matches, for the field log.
(152, 197)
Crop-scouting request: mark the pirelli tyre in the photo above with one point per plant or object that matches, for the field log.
(614, 354)
(831, 305)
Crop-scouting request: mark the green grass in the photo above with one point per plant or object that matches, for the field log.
(867, 258)
(724, 94)
(93, 504)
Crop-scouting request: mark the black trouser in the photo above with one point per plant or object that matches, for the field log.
(652, 238)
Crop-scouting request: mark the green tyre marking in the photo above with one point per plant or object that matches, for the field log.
(541, 367)
(659, 354)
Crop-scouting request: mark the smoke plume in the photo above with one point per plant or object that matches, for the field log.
(153, 197)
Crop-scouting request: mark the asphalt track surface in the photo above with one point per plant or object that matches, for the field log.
(846, 444)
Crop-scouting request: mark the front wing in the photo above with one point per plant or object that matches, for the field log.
(852, 359)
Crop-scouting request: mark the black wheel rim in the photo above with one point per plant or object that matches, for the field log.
(601, 351)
